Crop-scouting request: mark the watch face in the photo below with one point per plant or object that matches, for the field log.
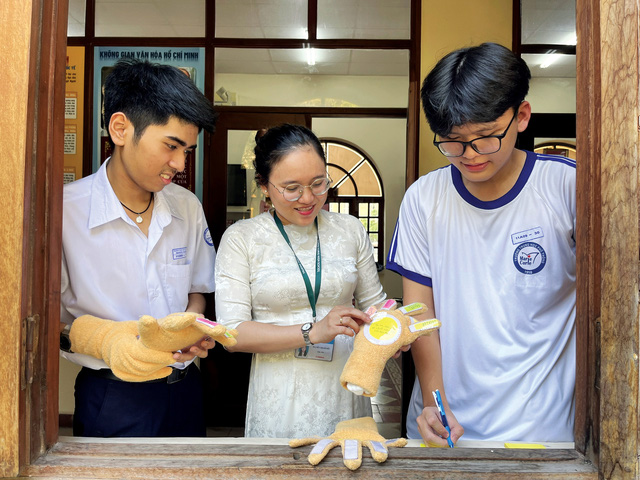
(306, 327)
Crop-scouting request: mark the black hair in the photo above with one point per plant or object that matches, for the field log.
(149, 94)
(473, 85)
(276, 142)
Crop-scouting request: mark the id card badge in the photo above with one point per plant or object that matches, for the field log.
(319, 351)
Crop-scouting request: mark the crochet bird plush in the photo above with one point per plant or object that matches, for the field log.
(142, 350)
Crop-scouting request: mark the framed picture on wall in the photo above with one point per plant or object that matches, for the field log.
(189, 60)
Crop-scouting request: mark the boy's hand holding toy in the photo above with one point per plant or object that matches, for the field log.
(138, 351)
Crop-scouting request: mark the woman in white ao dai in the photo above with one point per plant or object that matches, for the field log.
(260, 291)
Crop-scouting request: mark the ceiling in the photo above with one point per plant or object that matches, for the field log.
(548, 21)
(327, 62)
(543, 22)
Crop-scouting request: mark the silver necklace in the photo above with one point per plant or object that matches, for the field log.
(139, 214)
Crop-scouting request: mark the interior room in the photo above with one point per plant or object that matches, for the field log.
(351, 96)
(351, 71)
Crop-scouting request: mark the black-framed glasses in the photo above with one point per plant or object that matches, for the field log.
(294, 191)
(482, 145)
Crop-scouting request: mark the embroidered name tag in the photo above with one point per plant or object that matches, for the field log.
(179, 253)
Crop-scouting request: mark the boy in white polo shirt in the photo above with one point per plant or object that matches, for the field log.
(136, 244)
(488, 243)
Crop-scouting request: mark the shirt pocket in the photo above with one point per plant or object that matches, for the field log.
(177, 280)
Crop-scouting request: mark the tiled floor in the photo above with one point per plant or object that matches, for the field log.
(387, 404)
(225, 431)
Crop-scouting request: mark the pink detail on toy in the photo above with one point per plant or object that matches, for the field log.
(388, 305)
(206, 321)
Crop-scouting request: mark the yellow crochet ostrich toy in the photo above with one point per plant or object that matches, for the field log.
(142, 350)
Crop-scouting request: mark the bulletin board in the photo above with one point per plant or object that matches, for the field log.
(189, 59)
(73, 114)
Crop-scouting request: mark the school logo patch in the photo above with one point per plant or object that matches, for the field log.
(529, 258)
(207, 237)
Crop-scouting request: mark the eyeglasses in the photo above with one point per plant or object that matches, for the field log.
(482, 145)
(294, 191)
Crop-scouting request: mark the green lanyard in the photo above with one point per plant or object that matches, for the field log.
(313, 298)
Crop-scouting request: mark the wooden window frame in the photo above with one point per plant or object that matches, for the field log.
(607, 307)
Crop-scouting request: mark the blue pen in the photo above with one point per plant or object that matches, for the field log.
(438, 399)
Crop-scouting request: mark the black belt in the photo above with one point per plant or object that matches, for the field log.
(174, 377)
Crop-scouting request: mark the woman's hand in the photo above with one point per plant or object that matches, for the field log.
(433, 432)
(339, 321)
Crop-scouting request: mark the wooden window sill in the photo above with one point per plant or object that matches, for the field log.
(182, 458)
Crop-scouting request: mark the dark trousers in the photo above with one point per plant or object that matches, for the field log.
(106, 407)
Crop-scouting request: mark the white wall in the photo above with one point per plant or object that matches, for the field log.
(68, 373)
(552, 95)
(316, 90)
(383, 139)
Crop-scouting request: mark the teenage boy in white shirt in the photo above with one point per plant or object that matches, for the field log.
(134, 243)
(488, 243)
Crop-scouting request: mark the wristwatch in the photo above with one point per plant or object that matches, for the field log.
(306, 328)
(65, 341)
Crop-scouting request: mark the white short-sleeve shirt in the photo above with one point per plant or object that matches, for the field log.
(503, 277)
(110, 269)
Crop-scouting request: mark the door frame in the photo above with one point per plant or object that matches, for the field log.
(253, 118)
(214, 189)
(607, 414)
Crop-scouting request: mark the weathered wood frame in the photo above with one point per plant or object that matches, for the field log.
(608, 265)
(608, 268)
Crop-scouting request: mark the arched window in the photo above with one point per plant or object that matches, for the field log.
(566, 149)
(357, 190)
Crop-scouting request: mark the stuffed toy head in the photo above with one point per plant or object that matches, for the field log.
(391, 328)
